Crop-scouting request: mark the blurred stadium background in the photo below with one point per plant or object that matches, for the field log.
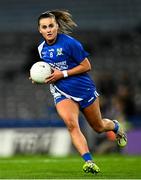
(111, 32)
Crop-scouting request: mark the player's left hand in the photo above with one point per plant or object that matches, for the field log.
(56, 75)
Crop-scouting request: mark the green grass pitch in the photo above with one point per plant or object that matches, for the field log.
(45, 167)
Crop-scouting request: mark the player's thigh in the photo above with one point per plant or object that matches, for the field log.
(93, 115)
(68, 111)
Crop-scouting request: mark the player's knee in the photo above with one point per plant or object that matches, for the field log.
(71, 125)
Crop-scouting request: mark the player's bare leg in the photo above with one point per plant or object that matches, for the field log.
(69, 112)
(93, 116)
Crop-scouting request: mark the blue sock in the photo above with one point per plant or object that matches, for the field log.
(116, 127)
(87, 156)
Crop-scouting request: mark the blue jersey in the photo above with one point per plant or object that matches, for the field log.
(67, 53)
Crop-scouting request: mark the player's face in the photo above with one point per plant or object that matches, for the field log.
(49, 29)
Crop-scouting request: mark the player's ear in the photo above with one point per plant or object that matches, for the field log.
(57, 25)
(39, 30)
(58, 28)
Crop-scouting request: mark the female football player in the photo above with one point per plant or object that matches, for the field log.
(72, 88)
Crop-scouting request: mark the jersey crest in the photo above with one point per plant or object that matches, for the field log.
(59, 52)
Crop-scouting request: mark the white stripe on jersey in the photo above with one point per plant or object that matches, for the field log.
(69, 96)
(96, 94)
(40, 47)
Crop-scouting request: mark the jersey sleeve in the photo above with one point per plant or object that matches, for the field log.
(40, 47)
(77, 51)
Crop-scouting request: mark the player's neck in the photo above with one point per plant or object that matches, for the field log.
(51, 42)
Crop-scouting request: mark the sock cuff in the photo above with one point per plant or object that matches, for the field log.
(87, 156)
(116, 127)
